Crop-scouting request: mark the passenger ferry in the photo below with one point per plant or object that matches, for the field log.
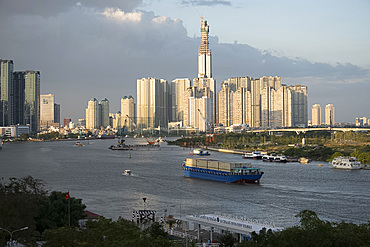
(256, 155)
(348, 163)
(221, 171)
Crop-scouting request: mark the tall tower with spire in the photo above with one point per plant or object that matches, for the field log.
(204, 56)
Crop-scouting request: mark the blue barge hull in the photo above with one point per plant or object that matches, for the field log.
(246, 175)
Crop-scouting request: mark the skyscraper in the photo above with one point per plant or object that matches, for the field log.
(92, 114)
(329, 115)
(204, 56)
(128, 113)
(32, 100)
(153, 103)
(104, 112)
(6, 92)
(18, 97)
(47, 110)
(316, 115)
(179, 98)
(224, 105)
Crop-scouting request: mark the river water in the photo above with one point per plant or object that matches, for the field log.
(94, 174)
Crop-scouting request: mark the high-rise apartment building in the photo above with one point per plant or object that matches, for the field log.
(6, 92)
(47, 111)
(224, 105)
(104, 113)
(329, 115)
(93, 114)
(316, 115)
(299, 105)
(204, 55)
(262, 103)
(97, 114)
(18, 97)
(153, 103)
(128, 113)
(179, 100)
(206, 87)
(32, 100)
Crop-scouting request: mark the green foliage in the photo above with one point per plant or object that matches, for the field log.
(105, 232)
(313, 232)
(53, 211)
(227, 240)
(314, 153)
(355, 153)
(336, 154)
(49, 136)
(25, 202)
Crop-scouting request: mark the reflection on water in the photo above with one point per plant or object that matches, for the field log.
(94, 173)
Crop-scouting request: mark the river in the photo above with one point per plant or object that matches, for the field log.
(94, 173)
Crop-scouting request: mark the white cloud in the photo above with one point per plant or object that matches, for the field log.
(119, 15)
(82, 55)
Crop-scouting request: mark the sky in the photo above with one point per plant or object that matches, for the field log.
(98, 49)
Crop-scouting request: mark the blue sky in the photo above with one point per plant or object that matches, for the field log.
(97, 49)
(328, 31)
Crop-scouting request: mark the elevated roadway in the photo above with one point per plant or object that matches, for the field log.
(304, 130)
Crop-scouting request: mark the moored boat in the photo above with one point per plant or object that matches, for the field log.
(221, 171)
(348, 163)
(280, 158)
(304, 160)
(256, 155)
(268, 158)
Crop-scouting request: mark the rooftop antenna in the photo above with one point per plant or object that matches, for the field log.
(201, 17)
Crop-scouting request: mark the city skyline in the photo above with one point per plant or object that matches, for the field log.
(105, 49)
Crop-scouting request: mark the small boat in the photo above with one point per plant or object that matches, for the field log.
(127, 172)
(304, 160)
(199, 152)
(268, 158)
(280, 158)
(348, 163)
(78, 144)
(256, 155)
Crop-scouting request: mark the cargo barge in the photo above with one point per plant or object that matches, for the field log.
(221, 171)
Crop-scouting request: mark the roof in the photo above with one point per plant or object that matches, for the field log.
(91, 215)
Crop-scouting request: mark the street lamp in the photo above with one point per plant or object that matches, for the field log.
(11, 233)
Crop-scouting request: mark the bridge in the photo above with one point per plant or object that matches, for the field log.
(304, 130)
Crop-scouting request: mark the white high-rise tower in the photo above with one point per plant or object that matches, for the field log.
(204, 56)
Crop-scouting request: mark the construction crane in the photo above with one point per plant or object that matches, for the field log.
(132, 121)
(209, 137)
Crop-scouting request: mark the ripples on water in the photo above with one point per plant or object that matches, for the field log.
(94, 173)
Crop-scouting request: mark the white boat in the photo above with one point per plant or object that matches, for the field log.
(268, 158)
(348, 163)
(256, 155)
(280, 158)
(127, 173)
(199, 152)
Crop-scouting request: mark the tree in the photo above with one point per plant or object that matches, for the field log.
(53, 211)
(227, 240)
(336, 154)
(18, 206)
